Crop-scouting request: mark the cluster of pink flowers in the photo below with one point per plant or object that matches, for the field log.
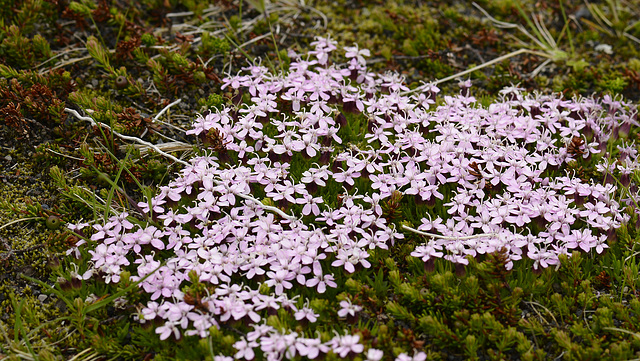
(488, 166)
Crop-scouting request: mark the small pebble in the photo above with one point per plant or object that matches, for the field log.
(42, 297)
(8, 158)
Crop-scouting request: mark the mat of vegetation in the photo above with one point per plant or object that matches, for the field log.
(367, 180)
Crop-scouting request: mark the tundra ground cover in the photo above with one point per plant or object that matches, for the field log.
(485, 180)
(393, 222)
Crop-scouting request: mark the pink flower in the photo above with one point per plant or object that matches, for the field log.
(245, 349)
(280, 280)
(343, 345)
(310, 347)
(358, 54)
(306, 313)
(321, 280)
(323, 46)
(417, 356)
(167, 329)
(374, 354)
(348, 309)
(310, 204)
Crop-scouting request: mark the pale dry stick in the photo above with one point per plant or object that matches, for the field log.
(448, 238)
(544, 32)
(211, 10)
(170, 126)
(584, 312)
(160, 47)
(164, 136)
(506, 25)
(215, 24)
(169, 49)
(92, 356)
(69, 334)
(201, 29)
(166, 147)
(179, 15)
(246, 25)
(546, 309)
(301, 5)
(152, 87)
(68, 62)
(20, 220)
(629, 36)
(125, 137)
(64, 52)
(157, 119)
(325, 20)
(478, 67)
(64, 155)
(167, 155)
(73, 61)
(207, 12)
(257, 38)
(634, 334)
(179, 27)
(547, 47)
(211, 58)
(102, 201)
(539, 68)
(22, 355)
(631, 256)
(605, 24)
(164, 110)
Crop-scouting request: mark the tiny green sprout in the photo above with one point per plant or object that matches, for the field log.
(193, 277)
(613, 84)
(212, 101)
(179, 60)
(53, 222)
(148, 39)
(319, 305)
(80, 8)
(199, 77)
(228, 340)
(8, 72)
(391, 264)
(234, 22)
(353, 285)
(212, 45)
(265, 289)
(78, 303)
(471, 346)
(394, 278)
(125, 277)
(268, 202)
(103, 179)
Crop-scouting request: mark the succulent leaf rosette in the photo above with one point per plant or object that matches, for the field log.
(303, 175)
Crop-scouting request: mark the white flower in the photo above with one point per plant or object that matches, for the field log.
(374, 354)
(604, 48)
(348, 309)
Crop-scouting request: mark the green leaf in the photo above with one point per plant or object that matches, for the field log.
(258, 5)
